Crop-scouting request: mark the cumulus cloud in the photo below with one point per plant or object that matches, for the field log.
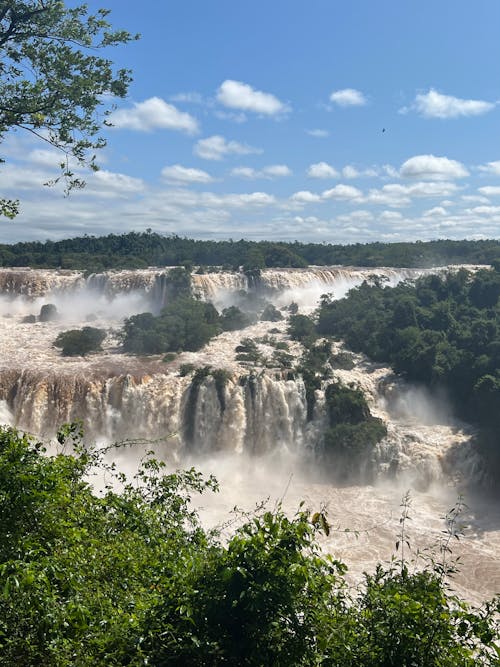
(489, 191)
(395, 194)
(491, 168)
(436, 211)
(239, 95)
(390, 216)
(217, 147)
(436, 105)
(347, 192)
(154, 113)
(120, 182)
(430, 167)
(305, 197)
(348, 97)
(322, 170)
(352, 172)
(179, 174)
(271, 171)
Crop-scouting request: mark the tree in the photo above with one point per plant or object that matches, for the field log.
(52, 82)
(77, 342)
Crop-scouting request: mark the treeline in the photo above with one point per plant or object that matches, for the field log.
(129, 576)
(441, 331)
(141, 249)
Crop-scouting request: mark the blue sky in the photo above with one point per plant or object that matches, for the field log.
(324, 121)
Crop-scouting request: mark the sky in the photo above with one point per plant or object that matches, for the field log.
(327, 121)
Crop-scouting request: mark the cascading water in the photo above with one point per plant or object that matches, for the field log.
(249, 424)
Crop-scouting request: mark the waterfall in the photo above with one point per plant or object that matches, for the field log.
(255, 410)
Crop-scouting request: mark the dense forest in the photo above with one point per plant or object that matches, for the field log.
(138, 250)
(130, 577)
(440, 331)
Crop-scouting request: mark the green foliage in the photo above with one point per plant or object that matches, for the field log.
(441, 331)
(248, 351)
(313, 368)
(353, 430)
(177, 284)
(78, 342)
(233, 318)
(302, 328)
(186, 369)
(342, 360)
(141, 249)
(259, 601)
(52, 82)
(184, 324)
(129, 577)
(271, 314)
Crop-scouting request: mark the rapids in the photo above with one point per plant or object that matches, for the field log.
(252, 431)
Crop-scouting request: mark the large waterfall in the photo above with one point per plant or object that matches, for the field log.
(249, 423)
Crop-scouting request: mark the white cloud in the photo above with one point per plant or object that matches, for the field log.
(356, 216)
(348, 97)
(430, 167)
(390, 171)
(390, 216)
(322, 170)
(239, 95)
(233, 116)
(45, 157)
(179, 174)
(108, 183)
(188, 98)
(341, 191)
(320, 134)
(491, 168)
(350, 172)
(217, 147)
(277, 170)
(154, 113)
(395, 194)
(436, 105)
(490, 190)
(272, 171)
(436, 211)
(305, 197)
(486, 210)
(475, 199)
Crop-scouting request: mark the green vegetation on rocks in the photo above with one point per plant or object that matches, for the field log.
(128, 576)
(440, 331)
(79, 342)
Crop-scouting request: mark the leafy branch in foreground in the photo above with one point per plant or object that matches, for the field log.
(52, 82)
(128, 576)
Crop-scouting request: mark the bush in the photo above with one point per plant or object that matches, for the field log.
(271, 314)
(342, 360)
(184, 324)
(302, 328)
(233, 318)
(129, 577)
(79, 342)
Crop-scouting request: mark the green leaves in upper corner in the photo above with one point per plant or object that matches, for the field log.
(52, 82)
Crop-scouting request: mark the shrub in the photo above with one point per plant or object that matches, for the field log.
(271, 314)
(79, 342)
